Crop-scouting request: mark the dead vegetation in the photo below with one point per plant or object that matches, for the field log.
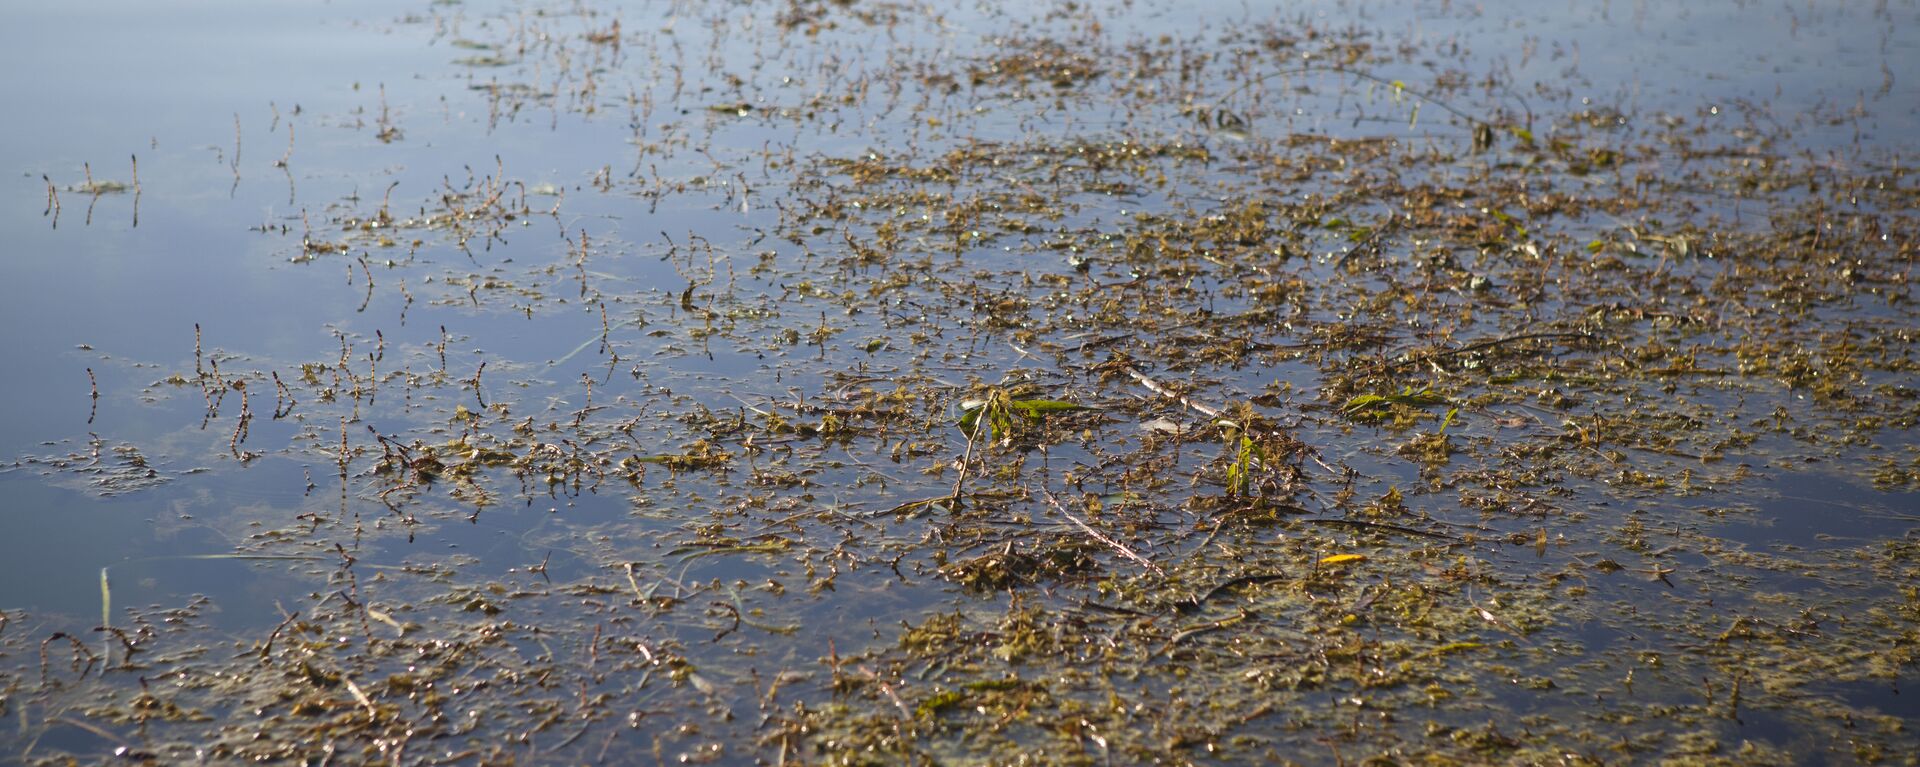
(1092, 412)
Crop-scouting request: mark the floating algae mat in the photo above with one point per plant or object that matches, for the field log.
(877, 383)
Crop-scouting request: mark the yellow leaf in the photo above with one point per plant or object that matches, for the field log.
(1341, 559)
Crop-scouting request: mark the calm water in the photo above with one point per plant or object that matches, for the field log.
(212, 97)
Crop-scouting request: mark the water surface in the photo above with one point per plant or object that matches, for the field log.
(538, 382)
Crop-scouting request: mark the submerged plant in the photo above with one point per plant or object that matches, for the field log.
(1004, 416)
(1262, 459)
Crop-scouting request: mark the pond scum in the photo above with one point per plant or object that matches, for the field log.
(1054, 398)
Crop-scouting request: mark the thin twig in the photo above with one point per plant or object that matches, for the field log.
(1208, 410)
(1157, 388)
(1395, 84)
(1383, 526)
(1101, 537)
(1483, 346)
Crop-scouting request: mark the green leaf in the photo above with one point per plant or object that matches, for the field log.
(999, 413)
(1364, 402)
(1406, 396)
(1039, 406)
(1422, 398)
(939, 702)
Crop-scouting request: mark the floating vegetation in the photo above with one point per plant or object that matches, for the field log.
(864, 389)
(997, 410)
(100, 468)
